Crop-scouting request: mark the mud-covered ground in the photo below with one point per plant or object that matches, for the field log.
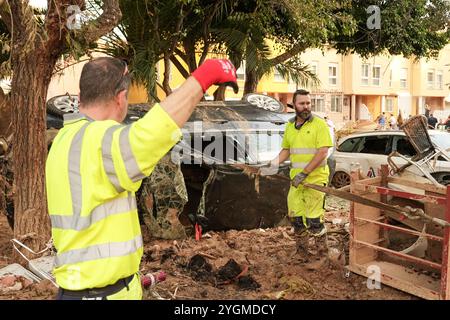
(251, 264)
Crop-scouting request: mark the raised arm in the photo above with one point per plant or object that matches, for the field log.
(181, 103)
(142, 144)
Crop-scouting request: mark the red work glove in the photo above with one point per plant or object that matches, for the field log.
(216, 71)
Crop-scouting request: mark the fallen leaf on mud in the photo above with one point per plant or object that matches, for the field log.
(280, 295)
(286, 236)
(298, 285)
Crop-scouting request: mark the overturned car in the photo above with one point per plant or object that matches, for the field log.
(216, 191)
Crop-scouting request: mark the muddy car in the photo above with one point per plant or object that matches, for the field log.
(371, 150)
(218, 136)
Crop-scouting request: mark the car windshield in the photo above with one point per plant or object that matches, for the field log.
(442, 140)
(267, 145)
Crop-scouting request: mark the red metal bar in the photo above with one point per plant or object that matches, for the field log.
(431, 264)
(444, 270)
(413, 232)
(403, 194)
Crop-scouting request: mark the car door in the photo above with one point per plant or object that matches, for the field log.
(344, 155)
(401, 144)
(369, 152)
(372, 152)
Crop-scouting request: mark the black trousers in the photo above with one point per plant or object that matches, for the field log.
(95, 293)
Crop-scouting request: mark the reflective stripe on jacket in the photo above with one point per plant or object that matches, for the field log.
(93, 170)
(304, 143)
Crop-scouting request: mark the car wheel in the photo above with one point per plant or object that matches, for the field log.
(340, 179)
(264, 102)
(60, 105)
(442, 177)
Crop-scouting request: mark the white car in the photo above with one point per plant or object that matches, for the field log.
(370, 150)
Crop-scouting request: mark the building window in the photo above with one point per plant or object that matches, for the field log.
(317, 103)
(314, 67)
(376, 75)
(365, 74)
(439, 80)
(277, 77)
(389, 105)
(240, 72)
(336, 104)
(332, 74)
(430, 79)
(403, 77)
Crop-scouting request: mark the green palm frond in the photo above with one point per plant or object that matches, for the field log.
(301, 74)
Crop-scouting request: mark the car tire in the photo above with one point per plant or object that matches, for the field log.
(340, 179)
(60, 105)
(442, 177)
(264, 102)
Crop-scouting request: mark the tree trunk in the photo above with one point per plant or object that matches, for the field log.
(166, 80)
(32, 76)
(251, 81)
(189, 48)
(219, 94)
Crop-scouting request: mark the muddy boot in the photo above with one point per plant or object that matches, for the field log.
(301, 237)
(319, 255)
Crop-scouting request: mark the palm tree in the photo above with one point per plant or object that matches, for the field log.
(182, 34)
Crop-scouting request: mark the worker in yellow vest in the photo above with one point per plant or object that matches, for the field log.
(96, 165)
(306, 142)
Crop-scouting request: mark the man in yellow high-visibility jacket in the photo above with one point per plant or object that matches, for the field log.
(96, 165)
(306, 142)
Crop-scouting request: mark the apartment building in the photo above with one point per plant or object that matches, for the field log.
(353, 88)
(328, 98)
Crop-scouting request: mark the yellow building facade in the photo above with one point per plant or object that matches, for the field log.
(351, 88)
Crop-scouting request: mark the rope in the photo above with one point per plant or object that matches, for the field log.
(48, 247)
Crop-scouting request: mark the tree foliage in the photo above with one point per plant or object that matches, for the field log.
(419, 28)
(35, 41)
(270, 34)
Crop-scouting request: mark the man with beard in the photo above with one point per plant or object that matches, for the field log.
(306, 142)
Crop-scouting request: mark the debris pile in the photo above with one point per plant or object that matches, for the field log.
(248, 264)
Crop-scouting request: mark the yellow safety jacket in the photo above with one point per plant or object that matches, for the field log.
(93, 170)
(303, 145)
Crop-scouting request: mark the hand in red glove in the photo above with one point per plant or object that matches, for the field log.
(218, 72)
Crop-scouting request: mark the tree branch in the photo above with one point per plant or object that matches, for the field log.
(22, 17)
(296, 49)
(166, 81)
(176, 35)
(182, 55)
(102, 25)
(179, 67)
(205, 34)
(56, 24)
(5, 15)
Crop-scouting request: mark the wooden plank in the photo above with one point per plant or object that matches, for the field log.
(362, 255)
(403, 279)
(375, 242)
(376, 181)
(424, 186)
(445, 283)
(367, 232)
(414, 224)
(409, 231)
(403, 194)
(401, 255)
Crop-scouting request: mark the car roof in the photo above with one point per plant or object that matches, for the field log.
(389, 133)
(220, 112)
